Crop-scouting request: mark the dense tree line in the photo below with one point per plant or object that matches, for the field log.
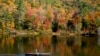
(40, 14)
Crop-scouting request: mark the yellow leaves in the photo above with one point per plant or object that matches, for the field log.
(29, 10)
(10, 25)
(41, 11)
(63, 13)
(3, 24)
(39, 25)
(70, 14)
(49, 12)
(89, 16)
(9, 5)
(12, 0)
(49, 8)
(88, 1)
(36, 4)
(97, 14)
(27, 5)
(35, 10)
(92, 16)
(4, 6)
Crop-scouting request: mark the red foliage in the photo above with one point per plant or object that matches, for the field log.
(46, 24)
(29, 11)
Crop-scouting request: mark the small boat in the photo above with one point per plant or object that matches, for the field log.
(38, 54)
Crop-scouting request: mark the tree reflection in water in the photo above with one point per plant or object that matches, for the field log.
(56, 45)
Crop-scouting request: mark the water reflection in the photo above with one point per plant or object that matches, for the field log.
(73, 45)
(89, 42)
(6, 44)
(55, 45)
(89, 46)
(99, 40)
(70, 41)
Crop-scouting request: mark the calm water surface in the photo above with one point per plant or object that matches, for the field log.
(55, 45)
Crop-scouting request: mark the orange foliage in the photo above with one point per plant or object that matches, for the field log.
(29, 11)
(70, 14)
(90, 17)
(97, 14)
(61, 21)
(46, 24)
(76, 20)
(36, 21)
(50, 12)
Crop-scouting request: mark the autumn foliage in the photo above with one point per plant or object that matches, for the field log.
(40, 14)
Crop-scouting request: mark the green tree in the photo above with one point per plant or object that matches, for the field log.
(20, 13)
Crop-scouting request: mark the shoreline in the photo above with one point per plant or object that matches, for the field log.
(46, 32)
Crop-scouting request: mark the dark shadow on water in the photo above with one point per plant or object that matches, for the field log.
(54, 43)
(89, 41)
(70, 41)
(54, 40)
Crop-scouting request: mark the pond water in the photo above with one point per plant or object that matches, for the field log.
(54, 45)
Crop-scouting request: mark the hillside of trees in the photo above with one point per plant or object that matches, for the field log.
(77, 15)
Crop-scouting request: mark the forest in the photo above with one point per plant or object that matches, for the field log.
(45, 15)
(57, 27)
